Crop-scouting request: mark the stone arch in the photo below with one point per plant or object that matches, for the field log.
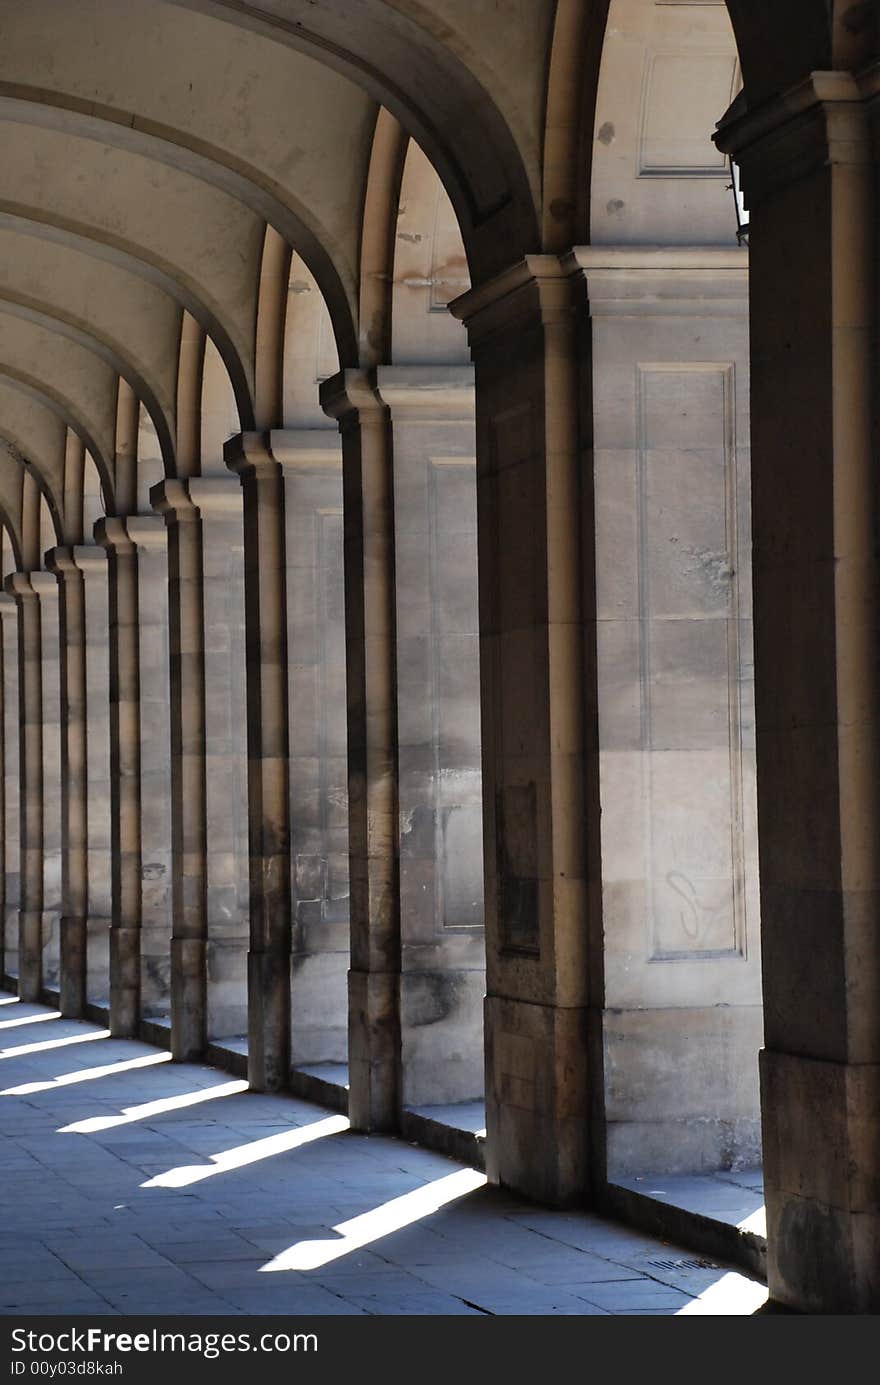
(425, 71)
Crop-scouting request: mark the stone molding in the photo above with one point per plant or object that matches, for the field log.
(351, 398)
(436, 392)
(44, 585)
(196, 497)
(302, 449)
(281, 449)
(88, 559)
(536, 287)
(111, 534)
(147, 531)
(18, 585)
(662, 282)
(821, 122)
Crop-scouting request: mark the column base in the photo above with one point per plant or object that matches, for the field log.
(374, 1050)
(537, 1121)
(822, 1183)
(268, 1020)
(189, 1009)
(125, 981)
(72, 984)
(30, 955)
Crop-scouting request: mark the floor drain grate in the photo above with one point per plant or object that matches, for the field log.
(683, 1264)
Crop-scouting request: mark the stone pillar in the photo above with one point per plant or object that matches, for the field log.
(681, 1019)
(540, 796)
(312, 463)
(809, 166)
(208, 765)
(10, 861)
(92, 563)
(74, 787)
(268, 751)
(292, 491)
(46, 588)
(438, 706)
(149, 535)
(85, 776)
(374, 977)
(124, 777)
(140, 931)
(30, 918)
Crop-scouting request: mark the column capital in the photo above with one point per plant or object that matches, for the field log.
(249, 454)
(350, 397)
(147, 532)
(823, 121)
(111, 533)
(283, 449)
(444, 392)
(44, 585)
(304, 449)
(650, 281)
(535, 288)
(89, 559)
(18, 585)
(196, 497)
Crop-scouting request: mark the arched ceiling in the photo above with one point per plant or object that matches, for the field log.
(147, 144)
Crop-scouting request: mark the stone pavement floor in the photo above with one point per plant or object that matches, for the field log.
(134, 1185)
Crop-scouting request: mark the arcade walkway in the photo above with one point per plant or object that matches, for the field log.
(134, 1185)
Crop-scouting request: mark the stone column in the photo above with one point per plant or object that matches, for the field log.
(46, 588)
(125, 906)
(30, 918)
(92, 563)
(292, 491)
(438, 699)
(140, 931)
(262, 485)
(85, 776)
(11, 852)
(268, 751)
(374, 976)
(208, 764)
(189, 883)
(809, 166)
(320, 951)
(540, 795)
(74, 787)
(149, 535)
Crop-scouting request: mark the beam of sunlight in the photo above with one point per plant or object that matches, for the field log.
(730, 1296)
(24, 1049)
(86, 1075)
(251, 1153)
(372, 1226)
(91, 1124)
(9, 1000)
(31, 1019)
(756, 1223)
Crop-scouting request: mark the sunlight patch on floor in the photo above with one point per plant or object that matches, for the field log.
(86, 1075)
(30, 1019)
(23, 1049)
(242, 1155)
(90, 1125)
(730, 1296)
(372, 1226)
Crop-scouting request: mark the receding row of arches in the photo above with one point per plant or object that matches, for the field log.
(379, 696)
